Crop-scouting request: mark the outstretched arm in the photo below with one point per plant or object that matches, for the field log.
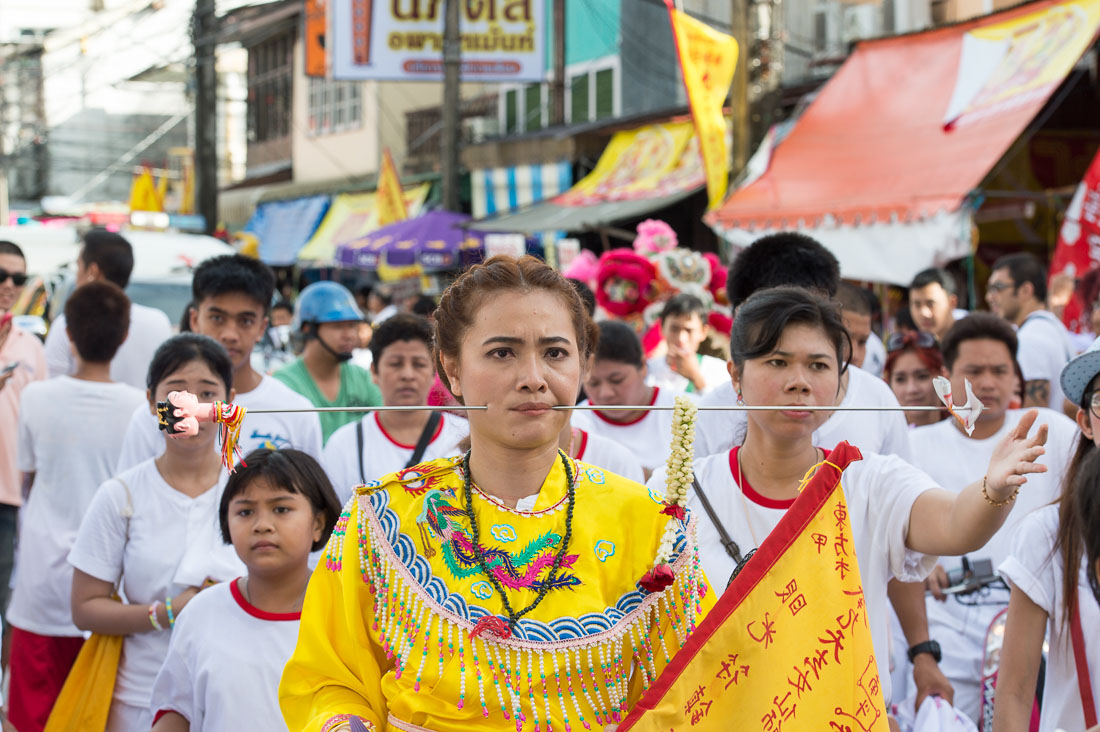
(944, 523)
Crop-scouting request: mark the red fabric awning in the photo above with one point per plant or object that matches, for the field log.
(873, 146)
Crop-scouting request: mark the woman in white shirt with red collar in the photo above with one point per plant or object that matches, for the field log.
(617, 378)
(789, 348)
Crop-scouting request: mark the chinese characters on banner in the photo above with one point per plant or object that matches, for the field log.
(708, 60)
(1078, 248)
(402, 40)
(788, 646)
(391, 199)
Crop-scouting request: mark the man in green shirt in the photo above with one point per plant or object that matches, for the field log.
(328, 319)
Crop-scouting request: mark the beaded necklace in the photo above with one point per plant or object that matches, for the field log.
(513, 616)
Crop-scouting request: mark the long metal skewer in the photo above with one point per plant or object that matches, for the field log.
(609, 407)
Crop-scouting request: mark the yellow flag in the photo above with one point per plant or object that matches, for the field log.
(143, 193)
(788, 646)
(391, 199)
(708, 60)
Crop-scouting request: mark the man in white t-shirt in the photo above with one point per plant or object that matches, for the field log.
(108, 256)
(684, 328)
(980, 349)
(386, 442)
(933, 301)
(70, 434)
(231, 295)
(1017, 291)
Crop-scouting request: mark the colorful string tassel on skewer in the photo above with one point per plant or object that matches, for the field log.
(230, 416)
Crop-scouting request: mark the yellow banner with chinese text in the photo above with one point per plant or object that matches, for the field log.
(788, 646)
(391, 200)
(708, 60)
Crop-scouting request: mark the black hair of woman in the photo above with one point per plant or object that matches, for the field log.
(181, 350)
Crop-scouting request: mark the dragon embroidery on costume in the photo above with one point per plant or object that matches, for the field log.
(516, 571)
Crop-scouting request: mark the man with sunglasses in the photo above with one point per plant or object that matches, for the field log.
(22, 361)
(1017, 291)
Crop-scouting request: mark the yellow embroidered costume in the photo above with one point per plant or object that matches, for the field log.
(402, 626)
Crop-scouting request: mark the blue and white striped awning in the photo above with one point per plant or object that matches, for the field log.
(499, 190)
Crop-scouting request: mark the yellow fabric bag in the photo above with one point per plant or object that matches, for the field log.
(85, 699)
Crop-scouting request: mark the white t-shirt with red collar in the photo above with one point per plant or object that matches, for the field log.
(224, 663)
(604, 453)
(648, 437)
(880, 491)
(382, 454)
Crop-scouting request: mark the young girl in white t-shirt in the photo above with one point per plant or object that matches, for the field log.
(789, 348)
(227, 653)
(1051, 589)
(151, 533)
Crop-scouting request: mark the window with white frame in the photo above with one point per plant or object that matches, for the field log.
(591, 93)
(334, 106)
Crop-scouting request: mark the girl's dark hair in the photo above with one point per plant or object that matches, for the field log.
(461, 302)
(184, 348)
(291, 470)
(1086, 506)
(760, 323)
(1081, 479)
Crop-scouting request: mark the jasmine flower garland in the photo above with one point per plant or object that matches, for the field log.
(678, 479)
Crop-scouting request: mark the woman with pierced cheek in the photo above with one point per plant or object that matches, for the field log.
(494, 589)
(789, 348)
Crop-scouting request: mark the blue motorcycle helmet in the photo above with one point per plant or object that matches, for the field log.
(325, 302)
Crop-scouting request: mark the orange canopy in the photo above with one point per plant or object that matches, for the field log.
(878, 145)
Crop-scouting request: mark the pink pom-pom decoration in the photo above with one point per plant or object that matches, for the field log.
(584, 267)
(654, 237)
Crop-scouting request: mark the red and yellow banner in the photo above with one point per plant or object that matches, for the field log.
(391, 199)
(788, 646)
(708, 60)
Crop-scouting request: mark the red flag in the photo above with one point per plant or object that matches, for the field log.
(1078, 248)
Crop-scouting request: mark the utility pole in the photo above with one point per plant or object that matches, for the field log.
(452, 52)
(557, 90)
(203, 28)
(739, 93)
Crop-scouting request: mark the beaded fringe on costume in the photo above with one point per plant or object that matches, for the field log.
(583, 681)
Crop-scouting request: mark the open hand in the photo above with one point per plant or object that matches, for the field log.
(1014, 458)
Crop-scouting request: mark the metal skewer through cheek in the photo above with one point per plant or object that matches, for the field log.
(609, 407)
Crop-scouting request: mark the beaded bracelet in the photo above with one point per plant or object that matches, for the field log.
(171, 617)
(997, 504)
(153, 616)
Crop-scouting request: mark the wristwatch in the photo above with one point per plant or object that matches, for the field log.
(929, 646)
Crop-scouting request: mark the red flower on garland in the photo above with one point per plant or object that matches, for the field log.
(657, 578)
(674, 510)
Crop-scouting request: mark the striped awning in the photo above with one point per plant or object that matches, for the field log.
(498, 190)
